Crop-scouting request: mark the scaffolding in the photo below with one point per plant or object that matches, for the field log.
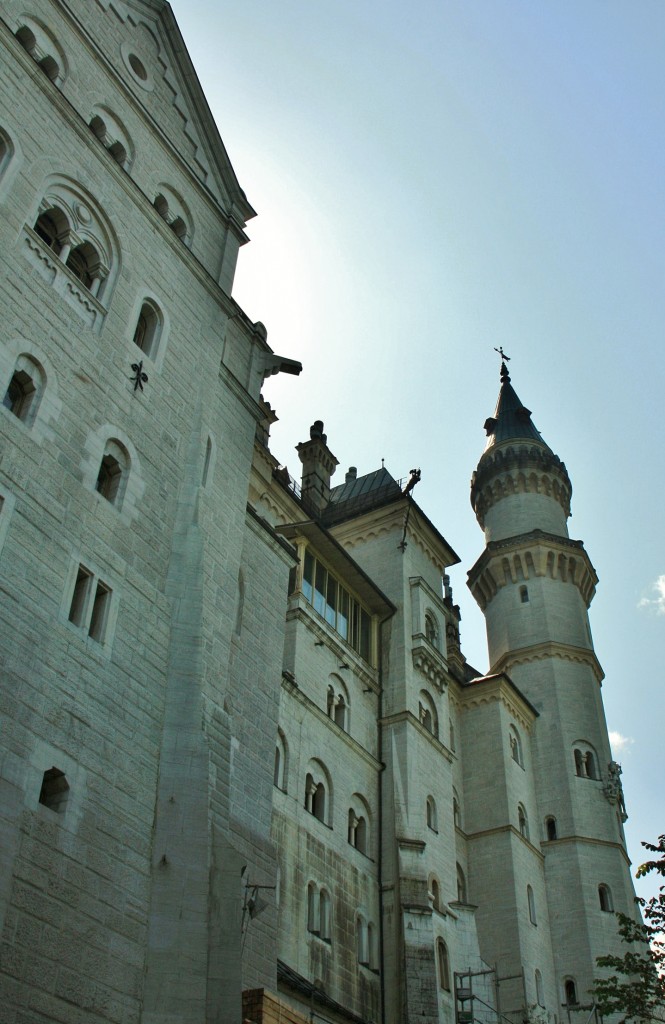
(472, 1008)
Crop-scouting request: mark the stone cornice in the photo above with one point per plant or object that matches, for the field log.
(550, 649)
(410, 718)
(498, 688)
(390, 518)
(519, 468)
(291, 686)
(550, 845)
(499, 829)
(527, 556)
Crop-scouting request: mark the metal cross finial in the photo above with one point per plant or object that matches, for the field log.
(140, 378)
(502, 353)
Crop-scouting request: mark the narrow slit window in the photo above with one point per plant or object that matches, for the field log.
(99, 612)
(82, 589)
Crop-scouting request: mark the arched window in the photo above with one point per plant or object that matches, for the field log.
(431, 814)
(570, 992)
(312, 908)
(443, 962)
(523, 821)
(357, 832)
(586, 762)
(25, 389)
(172, 208)
(84, 263)
(540, 998)
(427, 713)
(435, 892)
(605, 899)
(76, 229)
(431, 630)
(279, 778)
(362, 941)
(324, 915)
(461, 885)
(43, 49)
(338, 703)
(451, 730)
(550, 828)
(457, 812)
(113, 136)
(148, 328)
(318, 793)
(52, 227)
(515, 746)
(113, 472)
(532, 905)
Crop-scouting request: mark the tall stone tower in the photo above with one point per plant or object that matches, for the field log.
(534, 585)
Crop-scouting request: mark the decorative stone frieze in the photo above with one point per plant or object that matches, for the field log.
(530, 555)
(519, 470)
(430, 663)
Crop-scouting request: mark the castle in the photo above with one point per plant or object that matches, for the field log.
(247, 772)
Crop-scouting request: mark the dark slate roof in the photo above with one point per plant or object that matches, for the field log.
(359, 486)
(361, 494)
(511, 420)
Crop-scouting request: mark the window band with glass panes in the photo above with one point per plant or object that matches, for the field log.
(341, 611)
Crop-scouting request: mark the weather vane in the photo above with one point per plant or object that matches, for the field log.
(502, 353)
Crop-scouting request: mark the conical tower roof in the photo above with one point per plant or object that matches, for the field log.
(511, 420)
(515, 457)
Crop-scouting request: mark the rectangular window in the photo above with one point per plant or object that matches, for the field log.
(99, 615)
(79, 603)
(337, 607)
(320, 589)
(331, 601)
(308, 577)
(90, 603)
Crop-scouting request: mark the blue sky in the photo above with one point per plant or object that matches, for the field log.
(439, 179)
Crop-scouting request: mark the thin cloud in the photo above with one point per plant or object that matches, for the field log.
(619, 743)
(657, 602)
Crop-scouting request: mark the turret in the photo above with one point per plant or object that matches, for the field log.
(516, 463)
(534, 585)
(318, 466)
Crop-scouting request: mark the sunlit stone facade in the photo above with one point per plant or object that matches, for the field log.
(247, 773)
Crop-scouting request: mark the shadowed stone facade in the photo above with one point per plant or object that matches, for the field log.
(247, 773)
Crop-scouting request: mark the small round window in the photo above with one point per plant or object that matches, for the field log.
(138, 67)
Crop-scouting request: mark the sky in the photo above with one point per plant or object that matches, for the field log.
(435, 180)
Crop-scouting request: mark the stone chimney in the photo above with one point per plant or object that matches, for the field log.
(318, 466)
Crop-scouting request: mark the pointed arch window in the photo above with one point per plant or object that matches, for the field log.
(550, 828)
(523, 821)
